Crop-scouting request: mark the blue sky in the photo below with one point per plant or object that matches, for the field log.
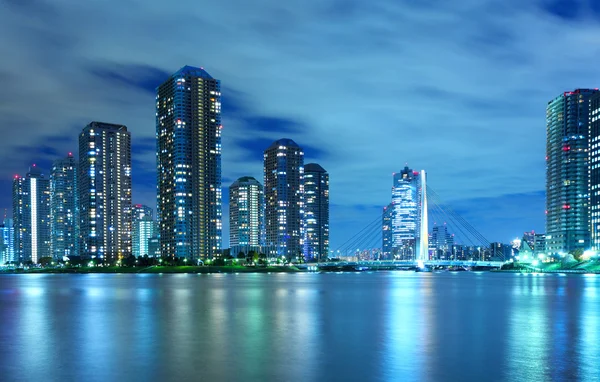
(458, 88)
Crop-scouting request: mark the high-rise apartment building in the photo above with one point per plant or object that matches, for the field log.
(7, 241)
(64, 209)
(31, 215)
(246, 213)
(316, 211)
(143, 229)
(405, 214)
(188, 130)
(567, 178)
(594, 170)
(104, 184)
(139, 211)
(284, 198)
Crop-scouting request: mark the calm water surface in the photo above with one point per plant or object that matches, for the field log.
(386, 326)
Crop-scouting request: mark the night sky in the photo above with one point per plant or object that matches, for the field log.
(458, 88)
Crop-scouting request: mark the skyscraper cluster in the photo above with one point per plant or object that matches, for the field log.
(84, 208)
(572, 171)
(290, 216)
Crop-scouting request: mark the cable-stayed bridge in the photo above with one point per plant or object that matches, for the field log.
(441, 236)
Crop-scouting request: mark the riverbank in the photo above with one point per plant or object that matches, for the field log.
(156, 270)
(585, 267)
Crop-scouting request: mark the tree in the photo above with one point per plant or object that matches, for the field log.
(241, 255)
(45, 261)
(577, 254)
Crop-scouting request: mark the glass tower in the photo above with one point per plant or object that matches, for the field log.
(567, 195)
(316, 212)
(188, 159)
(64, 208)
(104, 184)
(246, 213)
(31, 215)
(405, 214)
(284, 198)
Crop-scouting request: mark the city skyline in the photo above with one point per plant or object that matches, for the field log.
(480, 99)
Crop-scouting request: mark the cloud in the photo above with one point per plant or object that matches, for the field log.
(457, 88)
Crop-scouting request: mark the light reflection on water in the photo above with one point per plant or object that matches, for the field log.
(396, 326)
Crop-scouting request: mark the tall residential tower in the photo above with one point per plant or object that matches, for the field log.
(316, 211)
(246, 213)
(64, 221)
(188, 132)
(104, 184)
(284, 198)
(567, 194)
(31, 215)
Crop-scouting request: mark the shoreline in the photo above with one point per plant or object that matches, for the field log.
(154, 270)
(243, 269)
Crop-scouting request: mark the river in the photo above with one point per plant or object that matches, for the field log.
(379, 326)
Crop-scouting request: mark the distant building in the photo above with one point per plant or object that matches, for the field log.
(500, 251)
(143, 229)
(529, 237)
(105, 191)
(539, 243)
(139, 211)
(31, 215)
(441, 241)
(7, 241)
(567, 194)
(284, 198)
(387, 248)
(154, 247)
(246, 213)
(64, 208)
(316, 211)
(188, 130)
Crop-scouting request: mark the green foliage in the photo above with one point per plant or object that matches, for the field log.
(45, 261)
(577, 254)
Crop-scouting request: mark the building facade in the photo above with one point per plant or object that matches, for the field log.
(7, 242)
(139, 211)
(441, 242)
(143, 229)
(567, 194)
(31, 216)
(64, 209)
(284, 198)
(594, 170)
(405, 214)
(539, 243)
(246, 213)
(188, 132)
(386, 233)
(316, 212)
(104, 185)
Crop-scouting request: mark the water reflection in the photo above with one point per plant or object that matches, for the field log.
(310, 327)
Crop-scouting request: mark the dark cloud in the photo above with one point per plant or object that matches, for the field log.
(142, 77)
(565, 9)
